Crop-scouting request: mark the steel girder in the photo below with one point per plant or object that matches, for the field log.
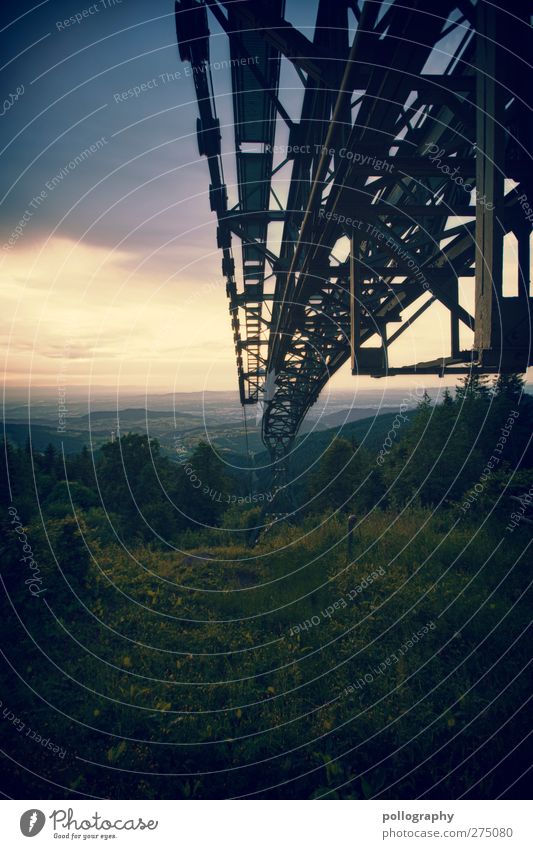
(396, 125)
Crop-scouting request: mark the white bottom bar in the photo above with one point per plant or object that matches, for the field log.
(268, 824)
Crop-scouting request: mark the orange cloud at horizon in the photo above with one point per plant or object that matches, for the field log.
(87, 316)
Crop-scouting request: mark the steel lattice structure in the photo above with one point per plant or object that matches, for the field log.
(406, 108)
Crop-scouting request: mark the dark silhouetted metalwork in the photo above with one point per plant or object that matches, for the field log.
(407, 167)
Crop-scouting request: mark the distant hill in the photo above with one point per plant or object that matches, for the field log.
(353, 414)
(369, 432)
(41, 436)
(230, 438)
(132, 414)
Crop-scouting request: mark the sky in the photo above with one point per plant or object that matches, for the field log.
(110, 271)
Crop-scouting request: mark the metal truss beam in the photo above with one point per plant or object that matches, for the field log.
(394, 136)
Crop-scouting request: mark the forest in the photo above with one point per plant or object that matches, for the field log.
(170, 631)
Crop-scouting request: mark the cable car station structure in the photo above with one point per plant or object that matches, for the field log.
(412, 143)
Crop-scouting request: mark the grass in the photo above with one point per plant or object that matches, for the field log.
(201, 668)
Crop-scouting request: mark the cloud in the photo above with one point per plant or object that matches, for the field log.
(101, 316)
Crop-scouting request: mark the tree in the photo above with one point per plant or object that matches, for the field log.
(50, 460)
(80, 467)
(472, 387)
(336, 483)
(434, 460)
(447, 399)
(71, 552)
(127, 477)
(510, 386)
(204, 489)
(70, 495)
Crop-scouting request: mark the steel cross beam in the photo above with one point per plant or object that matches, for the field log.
(414, 119)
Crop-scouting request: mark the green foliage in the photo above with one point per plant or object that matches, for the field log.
(345, 480)
(338, 476)
(149, 684)
(445, 450)
(171, 665)
(64, 495)
(205, 488)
